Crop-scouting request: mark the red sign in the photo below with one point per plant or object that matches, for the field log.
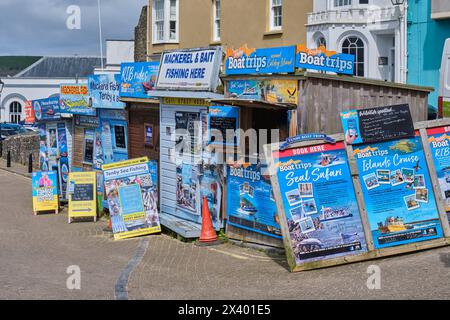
(29, 112)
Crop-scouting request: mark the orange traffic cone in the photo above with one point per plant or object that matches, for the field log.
(208, 233)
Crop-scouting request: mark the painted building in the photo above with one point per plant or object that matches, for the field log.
(428, 27)
(372, 30)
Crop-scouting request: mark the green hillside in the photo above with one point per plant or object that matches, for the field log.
(11, 65)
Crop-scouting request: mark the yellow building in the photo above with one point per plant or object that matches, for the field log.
(175, 24)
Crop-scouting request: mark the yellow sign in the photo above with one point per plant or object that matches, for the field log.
(186, 101)
(45, 192)
(82, 195)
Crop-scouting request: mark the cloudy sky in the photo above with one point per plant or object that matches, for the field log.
(38, 27)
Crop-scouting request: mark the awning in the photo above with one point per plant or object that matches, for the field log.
(140, 100)
(185, 94)
(255, 104)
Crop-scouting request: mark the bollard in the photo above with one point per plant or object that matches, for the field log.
(30, 163)
(8, 159)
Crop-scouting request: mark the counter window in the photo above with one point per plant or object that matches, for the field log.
(120, 140)
(88, 146)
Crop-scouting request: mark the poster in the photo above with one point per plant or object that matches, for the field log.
(377, 124)
(29, 112)
(222, 119)
(82, 193)
(319, 202)
(260, 61)
(104, 91)
(74, 99)
(43, 152)
(324, 60)
(45, 191)
(439, 140)
(132, 197)
(138, 79)
(63, 158)
(397, 192)
(250, 201)
(272, 91)
(46, 109)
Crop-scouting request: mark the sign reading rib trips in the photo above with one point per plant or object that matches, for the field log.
(324, 60)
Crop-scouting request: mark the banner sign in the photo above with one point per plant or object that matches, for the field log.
(397, 192)
(132, 197)
(250, 202)
(324, 60)
(272, 91)
(82, 194)
(223, 118)
(377, 124)
(104, 91)
(258, 61)
(63, 159)
(87, 121)
(138, 79)
(194, 69)
(319, 201)
(46, 109)
(306, 137)
(45, 191)
(29, 112)
(75, 100)
(439, 140)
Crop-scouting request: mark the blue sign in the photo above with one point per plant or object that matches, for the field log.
(104, 91)
(250, 202)
(324, 60)
(319, 202)
(397, 192)
(260, 61)
(222, 119)
(46, 109)
(74, 99)
(137, 80)
(306, 137)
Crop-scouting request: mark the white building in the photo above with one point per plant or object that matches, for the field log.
(117, 52)
(372, 30)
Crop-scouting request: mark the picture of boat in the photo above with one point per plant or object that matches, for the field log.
(329, 214)
(393, 224)
(326, 159)
(246, 207)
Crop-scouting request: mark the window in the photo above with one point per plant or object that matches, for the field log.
(15, 112)
(216, 15)
(165, 21)
(321, 42)
(355, 46)
(276, 14)
(341, 3)
(120, 141)
(88, 155)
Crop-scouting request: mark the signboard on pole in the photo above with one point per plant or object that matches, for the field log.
(138, 79)
(82, 191)
(193, 69)
(74, 99)
(104, 91)
(324, 60)
(397, 192)
(132, 197)
(45, 191)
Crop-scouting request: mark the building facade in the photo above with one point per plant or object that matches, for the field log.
(428, 27)
(372, 30)
(174, 24)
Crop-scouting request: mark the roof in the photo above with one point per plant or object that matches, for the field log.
(61, 67)
(255, 104)
(11, 65)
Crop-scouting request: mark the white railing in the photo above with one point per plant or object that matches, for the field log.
(360, 15)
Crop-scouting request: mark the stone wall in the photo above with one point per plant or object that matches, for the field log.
(21, 146)
(140, 37)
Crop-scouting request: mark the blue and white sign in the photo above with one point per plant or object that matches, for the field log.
(104, 91)
(260, 61)
(324, 60)
(222, 119)
(46, 109)
(137, 80)
(196, 69)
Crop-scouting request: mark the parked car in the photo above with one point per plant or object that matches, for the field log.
(444, 84)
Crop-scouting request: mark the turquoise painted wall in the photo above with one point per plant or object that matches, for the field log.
(426, 39)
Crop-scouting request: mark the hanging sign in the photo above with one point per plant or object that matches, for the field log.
(272, 91)
(46, 109)
(306, 137)
(138, 79)
(439, 140)
(82, 191)
(193, 69)
(74, 99)
(260, 61)
(104, 91)
(324, 60)
(132, 197)
(397, 192)
(377, 124)
(45, 191)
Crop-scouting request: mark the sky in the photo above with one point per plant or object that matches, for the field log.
(39, 27)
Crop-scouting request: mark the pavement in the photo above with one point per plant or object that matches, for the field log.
(36, 252)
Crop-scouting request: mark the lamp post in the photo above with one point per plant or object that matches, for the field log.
(398, 4)
(2, 84)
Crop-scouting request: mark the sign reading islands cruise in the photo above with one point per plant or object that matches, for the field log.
(193, 69)
(259, 61)
(324, 60)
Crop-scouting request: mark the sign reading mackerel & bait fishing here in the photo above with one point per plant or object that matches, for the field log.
(316, 202)
(74, 98)
(82, 193)
(324, 60)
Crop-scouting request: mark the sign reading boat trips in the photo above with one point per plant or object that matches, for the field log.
(193, 69)
(74, 98)
(324, 60)
(250, 202)
(439, 140)
(377, 124)
(132, 197)
(397, 192)
(317, 204)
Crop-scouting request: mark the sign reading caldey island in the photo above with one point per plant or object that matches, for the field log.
(377, 124)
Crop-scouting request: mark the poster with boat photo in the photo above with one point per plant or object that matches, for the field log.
(319, 203)
(404, 210)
